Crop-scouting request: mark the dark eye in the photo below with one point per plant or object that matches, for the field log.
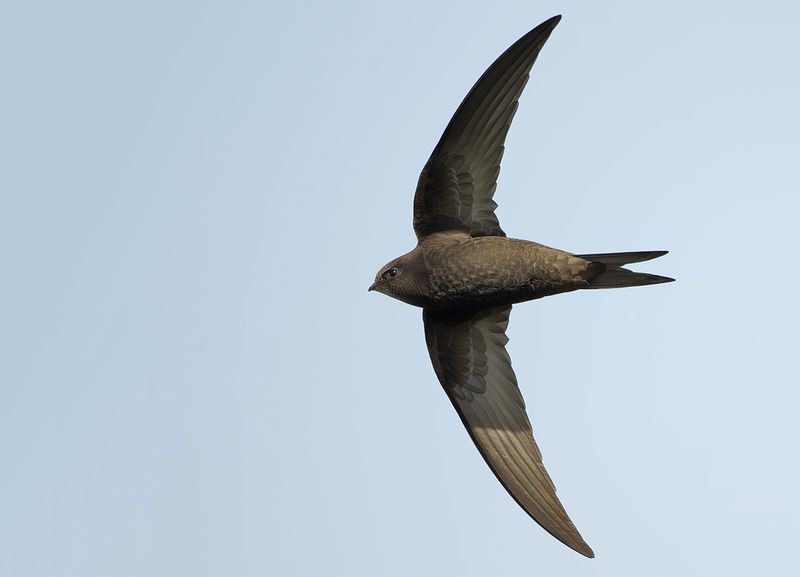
(391, 273)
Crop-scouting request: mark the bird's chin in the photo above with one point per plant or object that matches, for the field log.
(384, 290)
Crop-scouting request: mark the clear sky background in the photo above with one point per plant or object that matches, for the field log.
(195, 196)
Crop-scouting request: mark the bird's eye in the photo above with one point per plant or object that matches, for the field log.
(391, 273)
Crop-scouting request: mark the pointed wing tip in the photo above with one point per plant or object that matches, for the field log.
(574, 542)
(551, 22)
(578, 545)
(545, 28)
(541, 33)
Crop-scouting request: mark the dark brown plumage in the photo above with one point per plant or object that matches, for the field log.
(466, 274)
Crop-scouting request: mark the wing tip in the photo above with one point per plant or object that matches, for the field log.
(584, 550)
(544, 29)
(574, 541)
(551, 22)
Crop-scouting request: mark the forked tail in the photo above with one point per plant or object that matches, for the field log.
(610, 273)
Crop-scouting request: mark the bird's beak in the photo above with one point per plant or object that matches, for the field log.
(372, 287)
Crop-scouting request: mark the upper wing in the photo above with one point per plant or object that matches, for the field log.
(470, 359)
(455, 188)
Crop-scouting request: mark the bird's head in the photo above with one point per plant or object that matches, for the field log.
(392, 279)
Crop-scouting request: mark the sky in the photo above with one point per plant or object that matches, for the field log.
(195, 196)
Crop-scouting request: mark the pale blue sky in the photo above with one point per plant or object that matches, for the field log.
(195, 196)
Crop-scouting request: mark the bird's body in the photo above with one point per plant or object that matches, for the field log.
(456, 272)
(466, 274)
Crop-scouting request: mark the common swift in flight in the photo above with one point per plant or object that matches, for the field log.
(466, 274)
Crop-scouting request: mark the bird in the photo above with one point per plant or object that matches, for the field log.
(466, 274)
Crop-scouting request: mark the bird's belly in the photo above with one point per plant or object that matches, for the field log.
(454, 291)
(491, 271)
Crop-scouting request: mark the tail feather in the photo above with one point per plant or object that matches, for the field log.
(622, 277)
(621, 258)
(612, 275)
